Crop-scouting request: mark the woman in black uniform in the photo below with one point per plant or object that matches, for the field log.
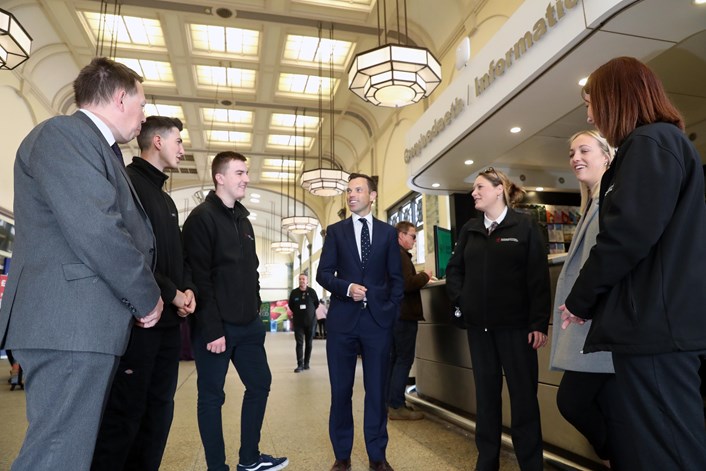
(499, 278)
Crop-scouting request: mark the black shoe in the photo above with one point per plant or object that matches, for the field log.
(306, 367)
(298, 369)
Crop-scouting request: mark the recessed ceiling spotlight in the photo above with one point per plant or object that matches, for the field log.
(699, 2)
(252, 216)
(540, 188)
(255, 195)
(583, 81)
(468, 162)
(254, 200)
(435, 185)
(515, 130)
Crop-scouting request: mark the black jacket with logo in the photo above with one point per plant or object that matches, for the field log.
(160, 208)
(502, 280)
(219, 244)
(644, 283)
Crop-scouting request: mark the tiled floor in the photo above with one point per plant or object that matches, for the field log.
(296, 424)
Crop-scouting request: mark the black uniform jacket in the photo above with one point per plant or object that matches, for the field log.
(219, 243)
(645, 280)
(162, 212)
(501, 280)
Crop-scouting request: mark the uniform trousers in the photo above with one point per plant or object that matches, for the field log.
(245, 349)
(304, 337)
(492, 353)
(140, 408)
(592, 403)
(664, 408)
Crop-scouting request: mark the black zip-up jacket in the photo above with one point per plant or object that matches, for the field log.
(219, 244)
(162, 212)
(644, 283)
(502, 280)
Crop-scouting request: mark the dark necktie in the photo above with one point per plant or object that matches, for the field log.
(492, 227)
(364, 242)
(118, 153)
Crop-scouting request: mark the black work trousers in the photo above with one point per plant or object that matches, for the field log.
(492, 353)
(140, 407)
(304, 337)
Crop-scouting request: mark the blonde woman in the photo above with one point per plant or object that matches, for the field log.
(499, 278)
(587, 395)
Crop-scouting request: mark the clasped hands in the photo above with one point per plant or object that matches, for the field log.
(568, 318)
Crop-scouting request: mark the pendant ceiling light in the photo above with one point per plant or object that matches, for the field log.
(394, 75)
(323, 181)
(298, 224)
(283, 246)
(15, 43)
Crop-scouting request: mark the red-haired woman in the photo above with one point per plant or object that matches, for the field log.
(644, 283)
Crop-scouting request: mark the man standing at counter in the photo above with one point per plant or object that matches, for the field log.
(404, 334)
(360, 266)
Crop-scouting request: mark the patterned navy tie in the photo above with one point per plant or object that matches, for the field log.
(364, 242)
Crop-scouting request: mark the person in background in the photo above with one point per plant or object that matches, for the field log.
(360, 267)
(644, 282)
(404, 333)
(303, 302)
(321, 311)
(498, 276)
(588, 396)
(140, 408)
(219, 245)
(81, 268)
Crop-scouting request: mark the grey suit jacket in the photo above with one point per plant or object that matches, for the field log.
(568, 344)
(84, 248)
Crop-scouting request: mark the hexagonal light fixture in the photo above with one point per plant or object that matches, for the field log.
(15, 43)
(325, 181)
(394, 75)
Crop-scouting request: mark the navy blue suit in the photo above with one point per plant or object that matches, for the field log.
(355, 327)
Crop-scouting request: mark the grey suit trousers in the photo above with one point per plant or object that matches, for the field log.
(73, 385)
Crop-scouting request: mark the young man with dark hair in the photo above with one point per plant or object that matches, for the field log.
(140, 407)
(220, 250)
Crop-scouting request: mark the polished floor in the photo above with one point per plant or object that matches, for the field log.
(296, 424)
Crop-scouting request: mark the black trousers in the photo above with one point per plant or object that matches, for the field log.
(304, 336)
(592, 403)
(664, 409)
(492, 353)
(140, 407)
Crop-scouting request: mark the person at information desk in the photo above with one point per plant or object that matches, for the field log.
(587, 397)
(498, 276)
(644, 282)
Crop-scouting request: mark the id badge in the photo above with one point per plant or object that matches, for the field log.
(302, 306)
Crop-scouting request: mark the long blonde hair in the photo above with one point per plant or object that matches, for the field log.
(607, 150)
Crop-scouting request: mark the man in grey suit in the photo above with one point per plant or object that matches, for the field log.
(82, 266)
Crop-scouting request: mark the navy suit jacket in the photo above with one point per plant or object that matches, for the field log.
(340, 265)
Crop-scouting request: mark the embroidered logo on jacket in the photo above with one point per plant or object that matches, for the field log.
(506, 239)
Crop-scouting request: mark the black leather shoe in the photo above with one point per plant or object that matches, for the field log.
(298, 369)
(380, 466)
(341, 465)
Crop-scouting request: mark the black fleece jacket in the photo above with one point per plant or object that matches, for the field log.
(160, 208)
(219, 243)
(501, 280)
